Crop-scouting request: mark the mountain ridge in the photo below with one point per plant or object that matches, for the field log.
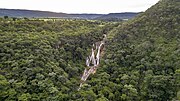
(38, 13)
(123, 15)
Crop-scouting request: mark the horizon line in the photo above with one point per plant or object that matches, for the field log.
(67, 13)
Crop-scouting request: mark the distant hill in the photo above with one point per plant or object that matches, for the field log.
(126, 15)
(30, 13)
(36, 13)
(86, 16)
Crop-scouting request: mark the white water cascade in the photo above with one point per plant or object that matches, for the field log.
(92, 62)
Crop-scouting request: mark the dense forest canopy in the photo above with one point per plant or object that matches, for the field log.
(144, 54)
(43, 59)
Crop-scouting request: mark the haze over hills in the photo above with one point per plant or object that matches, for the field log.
(35, 13)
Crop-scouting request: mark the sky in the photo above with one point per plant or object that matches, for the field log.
(80, 6)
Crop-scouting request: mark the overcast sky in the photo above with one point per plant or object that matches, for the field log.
(80, 6)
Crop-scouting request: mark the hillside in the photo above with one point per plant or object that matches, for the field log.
(144, 54)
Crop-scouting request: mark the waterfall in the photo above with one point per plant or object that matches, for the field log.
(92, 61)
